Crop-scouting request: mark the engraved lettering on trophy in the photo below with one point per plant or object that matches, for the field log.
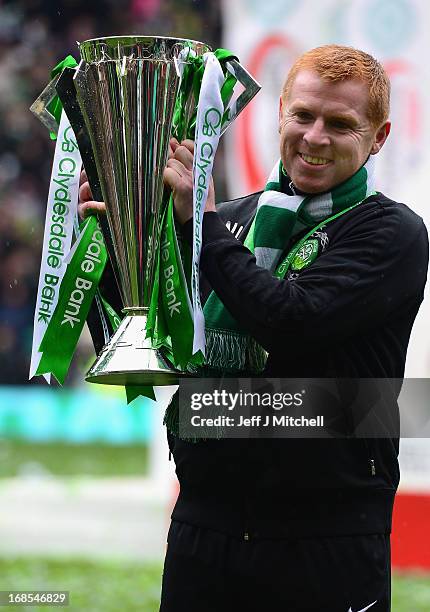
(123, 344)
(141, 342)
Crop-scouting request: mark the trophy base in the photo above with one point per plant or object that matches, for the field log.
(128, 359)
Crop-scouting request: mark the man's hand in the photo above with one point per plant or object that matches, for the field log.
(87, 206)
(178, 175)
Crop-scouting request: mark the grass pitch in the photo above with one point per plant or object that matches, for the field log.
(109, 586)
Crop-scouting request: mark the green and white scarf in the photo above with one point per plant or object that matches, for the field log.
(279, 216)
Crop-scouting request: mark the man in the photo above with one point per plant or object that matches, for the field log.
(300, 524)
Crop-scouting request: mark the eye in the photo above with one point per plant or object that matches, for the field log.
(303, 116)
(340, 125)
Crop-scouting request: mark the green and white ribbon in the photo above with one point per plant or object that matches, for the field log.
(175, 320)
(112, 315)
(55, 107)
(61, 211)
(175, 303)
(77, 292)
(208, 129)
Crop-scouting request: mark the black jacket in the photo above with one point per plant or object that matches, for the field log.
(349, 314)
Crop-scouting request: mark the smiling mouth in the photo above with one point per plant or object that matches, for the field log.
(315, 161)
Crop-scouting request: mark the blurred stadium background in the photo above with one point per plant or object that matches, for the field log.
(85, 482)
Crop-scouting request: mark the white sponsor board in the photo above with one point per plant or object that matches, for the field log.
(414, 458)
(268, 36)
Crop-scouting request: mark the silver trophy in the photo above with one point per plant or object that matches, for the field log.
(120, 102)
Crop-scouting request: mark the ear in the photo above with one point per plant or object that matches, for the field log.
(380, 137)
(280, 114)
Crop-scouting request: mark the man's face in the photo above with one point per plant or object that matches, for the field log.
(325, 133)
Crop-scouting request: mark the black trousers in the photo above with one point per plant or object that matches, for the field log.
(207, 571)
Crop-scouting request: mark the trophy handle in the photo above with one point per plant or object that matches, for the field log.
(67, 94)
(62, 85)
(252, 87)
(40, 106)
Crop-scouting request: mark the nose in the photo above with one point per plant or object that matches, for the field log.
(316, 134)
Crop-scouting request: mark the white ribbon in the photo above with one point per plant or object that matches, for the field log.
(181, 61)
(61, 211)
(208, 127)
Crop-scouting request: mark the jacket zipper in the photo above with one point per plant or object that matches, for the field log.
(369, 458)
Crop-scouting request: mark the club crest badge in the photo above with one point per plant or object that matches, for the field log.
(307, 253)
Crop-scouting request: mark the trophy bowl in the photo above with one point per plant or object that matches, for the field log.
(126, 89)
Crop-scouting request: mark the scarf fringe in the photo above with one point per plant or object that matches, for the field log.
(172, 422)
(229, 351)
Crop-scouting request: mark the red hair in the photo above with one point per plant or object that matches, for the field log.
(338, 63)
